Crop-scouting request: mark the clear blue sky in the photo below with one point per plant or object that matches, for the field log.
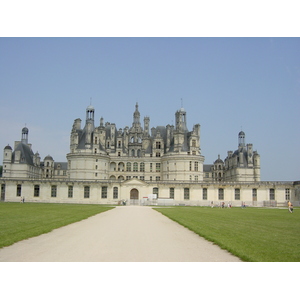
(226, 84)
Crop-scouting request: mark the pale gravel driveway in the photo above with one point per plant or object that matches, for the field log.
(123, 234)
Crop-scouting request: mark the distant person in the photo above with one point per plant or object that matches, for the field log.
(291, 208)
(212, 204)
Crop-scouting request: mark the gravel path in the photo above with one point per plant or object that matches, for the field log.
(123, 234)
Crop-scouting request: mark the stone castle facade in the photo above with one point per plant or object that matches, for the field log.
(107, 165)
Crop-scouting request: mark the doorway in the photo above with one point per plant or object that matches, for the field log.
(134, 197)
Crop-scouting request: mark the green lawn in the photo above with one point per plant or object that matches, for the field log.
(19, 221)
(253, 234)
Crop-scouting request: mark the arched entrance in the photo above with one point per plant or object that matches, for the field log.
(134, 197)
(134, 194)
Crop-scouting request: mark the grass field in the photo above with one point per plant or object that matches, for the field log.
(19, 221)
(253, 234)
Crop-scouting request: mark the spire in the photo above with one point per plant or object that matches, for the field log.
(136, 116)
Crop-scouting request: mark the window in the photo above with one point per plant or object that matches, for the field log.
(104, 192)
(142, 167)
(2, 192)
(196, 166)
(190, 166)
(186, 193)
(119, 153)
(19, 190)
(150, 167)
(135, 167)
(157, 178)
(254, 194)
(86, 192)
(196, 178)
(96, 140)
(115, 193)
(193, 152)
(53, 191)
(128, 167)
(193, 143)
(36, 190)
(155, 191)
(158, 145)
(204, 194)
(142, 178)
(237, 194)
(150, 178)
(70, 191)
(119, 144)
(287, 194)
(157, 154)
(157, 167)
(128, 177)
(272, 194)
(221, 194)
(172, 193)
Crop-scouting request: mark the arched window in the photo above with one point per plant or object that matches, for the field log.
(128, 167)
(132, 152)
(135, 167)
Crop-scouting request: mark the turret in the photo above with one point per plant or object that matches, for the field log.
(180, 116)
(24, 139)
(7, 154)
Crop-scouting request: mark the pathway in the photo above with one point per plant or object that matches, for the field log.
(123, 234)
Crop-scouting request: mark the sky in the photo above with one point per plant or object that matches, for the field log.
(224, 84)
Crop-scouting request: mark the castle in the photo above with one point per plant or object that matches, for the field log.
(106, 165)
